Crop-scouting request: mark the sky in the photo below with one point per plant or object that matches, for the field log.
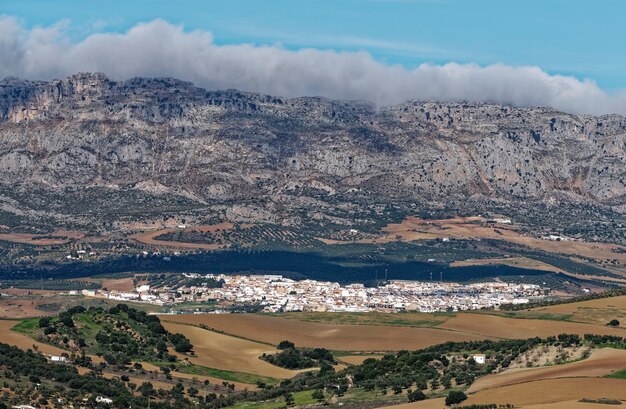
(569, 54)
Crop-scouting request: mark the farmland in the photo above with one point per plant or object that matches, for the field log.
(602, 362)
(376, 332)
(229, 353)
(330, 336)
(551, 391)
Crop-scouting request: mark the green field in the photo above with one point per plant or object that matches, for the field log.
(618, 375)
(409, 319)
(219, 373)
(300, 398)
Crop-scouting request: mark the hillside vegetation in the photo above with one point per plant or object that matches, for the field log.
(119, 334)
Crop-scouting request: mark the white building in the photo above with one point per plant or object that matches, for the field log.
(58, 359)
(479, 358)
(102, 399)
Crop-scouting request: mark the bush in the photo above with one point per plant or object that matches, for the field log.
(455, 397)
(286, 345)
(613, 323)
(416, 395)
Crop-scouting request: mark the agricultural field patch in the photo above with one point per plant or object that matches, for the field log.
(551, 391)
(336, 337)
(219, 351)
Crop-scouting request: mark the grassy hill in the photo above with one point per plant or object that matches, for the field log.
(118, 334)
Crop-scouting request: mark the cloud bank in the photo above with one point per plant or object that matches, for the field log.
(159, 48)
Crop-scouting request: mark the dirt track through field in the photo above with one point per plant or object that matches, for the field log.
(331, 336)
(601, 362)
(225, 352)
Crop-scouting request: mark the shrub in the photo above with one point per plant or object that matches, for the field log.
(455, 397)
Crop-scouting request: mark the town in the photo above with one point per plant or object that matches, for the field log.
(275, 293)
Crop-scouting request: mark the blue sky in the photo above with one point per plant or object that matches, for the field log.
(585, 39)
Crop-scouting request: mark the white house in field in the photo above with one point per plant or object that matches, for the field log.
(479, 358)
(102, 399)
(58, 359)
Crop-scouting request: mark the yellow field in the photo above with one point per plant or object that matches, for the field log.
(601, 362)
(331, 336)
(598, 311)
(225, 352)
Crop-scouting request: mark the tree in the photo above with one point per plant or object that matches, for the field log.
(318, 395)
(613, 323)
(455, 397)
(289, 401)
(146, 389)
(286, 345)
(181, 343)
(416, 395)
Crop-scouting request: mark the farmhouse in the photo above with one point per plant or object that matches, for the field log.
(479, 358)
(58, 359)
(102, 399)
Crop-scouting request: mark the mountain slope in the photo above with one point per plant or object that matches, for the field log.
(257, 156)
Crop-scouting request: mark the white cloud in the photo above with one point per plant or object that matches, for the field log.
(159, 48)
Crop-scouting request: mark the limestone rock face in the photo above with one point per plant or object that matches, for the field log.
(87, 130)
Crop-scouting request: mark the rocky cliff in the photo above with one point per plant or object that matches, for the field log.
(167, 136)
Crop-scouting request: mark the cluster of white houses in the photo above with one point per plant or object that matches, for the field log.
(276, 293)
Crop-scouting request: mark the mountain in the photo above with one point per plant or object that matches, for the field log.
(90, 145)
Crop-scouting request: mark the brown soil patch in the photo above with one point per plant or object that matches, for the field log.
(149, 237)
(601, 362)
(225, 352)
(511, 328)
(23, 308)
(48, 239)
(550, 391)
(119, 284)
(331, 336)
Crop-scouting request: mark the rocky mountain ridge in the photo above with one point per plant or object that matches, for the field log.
(162, 135)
